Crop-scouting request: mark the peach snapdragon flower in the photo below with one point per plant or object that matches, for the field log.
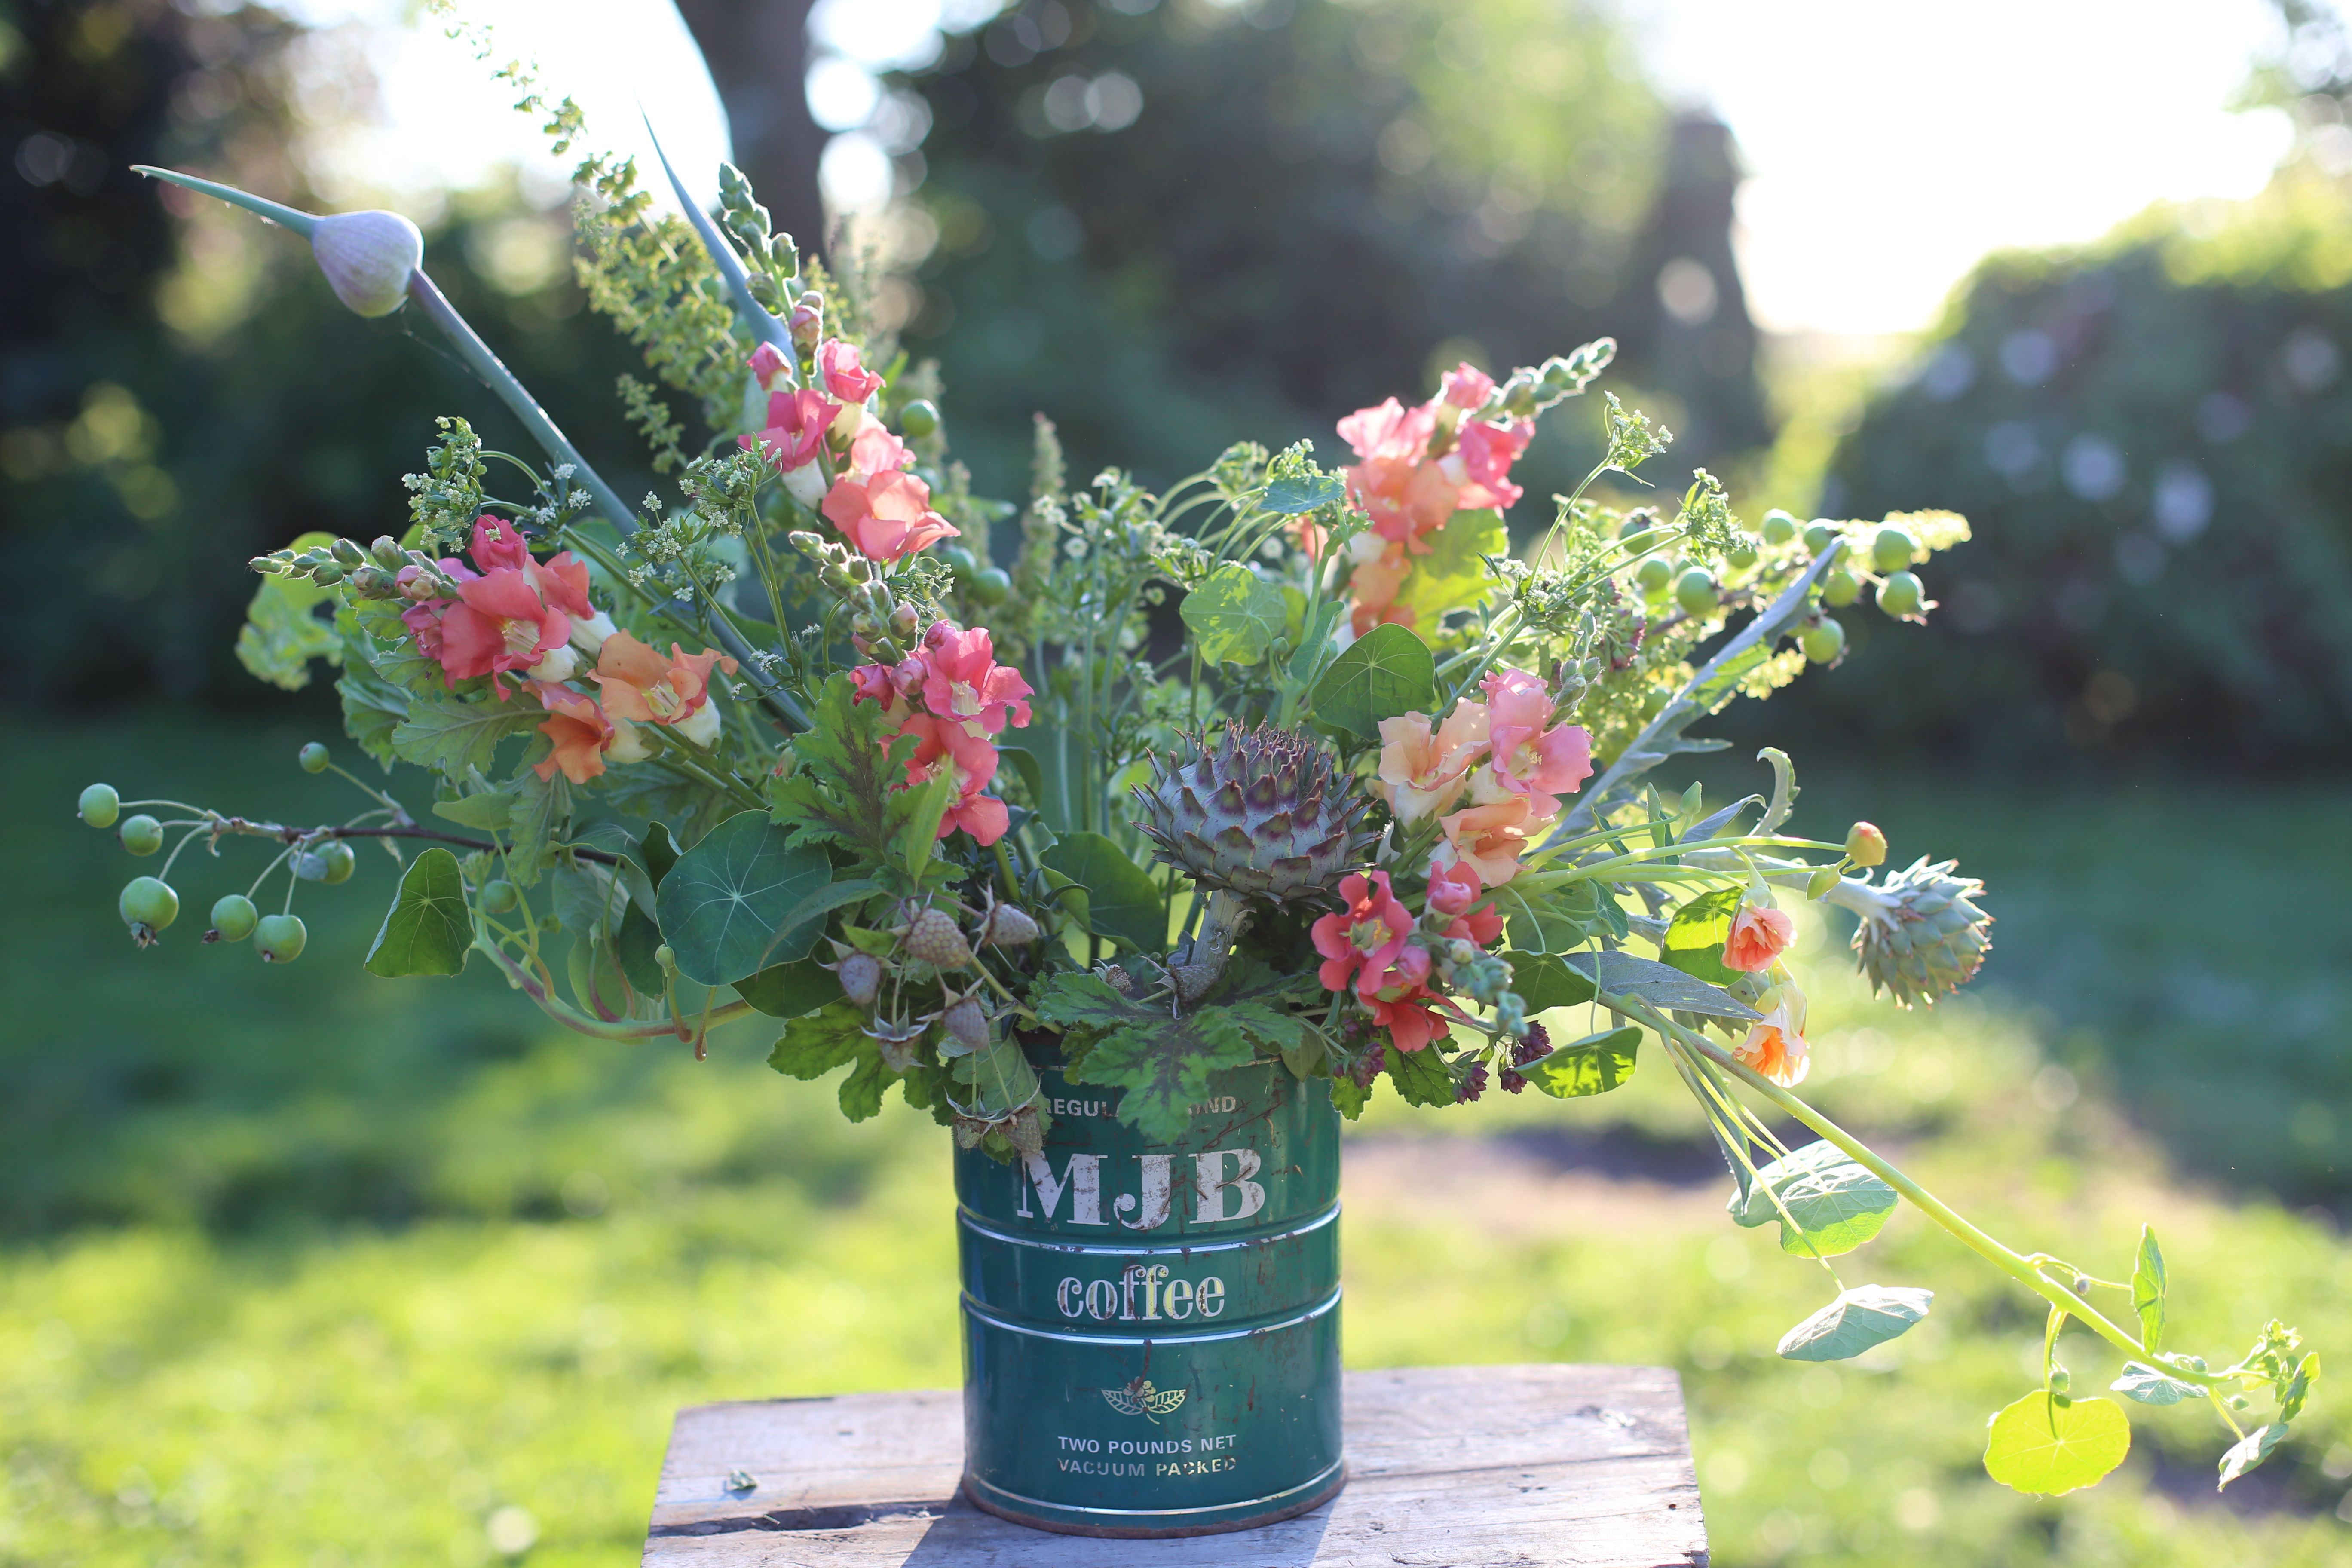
(1775, 1046)
(640, 685)
(1759, 934)
(1422, 768)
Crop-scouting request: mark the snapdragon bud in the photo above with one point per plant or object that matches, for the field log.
(344, 550)
(1865, 845)
(807, 322)
(368, 258)
(388, 552)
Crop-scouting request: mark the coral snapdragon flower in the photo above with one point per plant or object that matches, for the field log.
(585, 737)
(793, 438)
(844, 378)
(1375, 584)
(1423, 768)
(641, 685)
(1406, 493)
(499, 624)
(873, 450)
(1483, 455)
(1361, 942)
(1488, 836)
(1530, 759)
(963, 680)
(1759, 934)
(1775, 1046)
(1453, 890)
(944, 746)
(886, 515)
(1401, 1006)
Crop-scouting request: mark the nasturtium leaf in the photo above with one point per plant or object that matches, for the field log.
(1859, 1319)
(1454, 573)
(1543, 982)
(2043, 1446)
(635, 945)
(1234, 615)
(1294, 496)
(2250, 1451)
(724, 905)
(427, 931)
(1550, 922)
(1836, 1203)
(1385, 672)
(789, 990)
(2147, 1291)
(657, 852)
(1122, 900)
(1594, 1064)
(1695, 936)
(1622, 974)
(2142, 1383)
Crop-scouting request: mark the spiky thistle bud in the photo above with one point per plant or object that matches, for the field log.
(1921, 933)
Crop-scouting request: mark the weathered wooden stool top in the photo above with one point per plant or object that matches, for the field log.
(1466, 1467)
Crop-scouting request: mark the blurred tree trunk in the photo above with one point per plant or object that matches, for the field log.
(758, 54)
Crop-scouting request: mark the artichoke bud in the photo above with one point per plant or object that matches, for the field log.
(1264, 814)
(368, 257)
(1926, 937)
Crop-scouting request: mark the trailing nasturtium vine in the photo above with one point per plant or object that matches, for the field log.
(789, 744)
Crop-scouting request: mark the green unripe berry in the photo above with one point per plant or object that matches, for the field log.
(1694, 592)
(1901, 595)
(1892, 549)
(1740, 557)
(920, 418)
(1841, 587)
(280, 938)
(1823, 642)
(313, 758)
(664, 958)
(989, 586)
(141, 835)
(234, 917)
(1653, 574)
(99, 806)
(1779, 527)
(498, 896)
(341, 861)
(1820, 537)
(148, 901)
(961, 561)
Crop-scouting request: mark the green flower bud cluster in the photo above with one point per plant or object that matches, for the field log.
(1531, 389)
(775, 260)
(882, 625)
(375, 573)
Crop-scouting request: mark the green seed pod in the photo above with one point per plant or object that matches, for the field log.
(280, 938)
(313, 758)
(1818, 885)
(499, 896)
(1779, 527)
(1823, 642)
(1892, 549)
(341, 862)
(234, 917)
(141, 835)
(1901, 595)
(1694, 592)
(1819, 536)
(920, 418)
(961, 561)
(990, 586)
(1841, 587)
(99, 806)
(1653, 574)
(148, 901)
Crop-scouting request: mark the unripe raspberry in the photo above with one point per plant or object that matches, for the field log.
(861, 978)
(1026, 1131)
(933, 938)
(967, 1021)
(1009, 926)
(1865, 845)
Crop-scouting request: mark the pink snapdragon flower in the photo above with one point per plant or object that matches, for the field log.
(1365, 939)
(1484, 454)
(1465, 386)
(768, 362)
(963, 682)
(1489, 838)
(886, 515)
(943, 746)
(498, 624)
(1453, 890)
(1529, 759)
(848, 381)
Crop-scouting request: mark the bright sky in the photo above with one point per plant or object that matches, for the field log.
(1891, 143)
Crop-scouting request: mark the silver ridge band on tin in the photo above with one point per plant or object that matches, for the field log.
(965, 1218)
(1241, 1332)
(1270, 1499)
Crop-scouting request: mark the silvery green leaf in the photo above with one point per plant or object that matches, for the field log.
(1859, 1319)
(1837, 1204)
(2149, 1386)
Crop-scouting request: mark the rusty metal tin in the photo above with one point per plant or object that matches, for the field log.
(1151, 1331)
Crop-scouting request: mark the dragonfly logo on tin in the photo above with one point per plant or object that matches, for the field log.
(1139, 1398)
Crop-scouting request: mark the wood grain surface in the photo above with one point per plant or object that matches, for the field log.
(1586, 1466)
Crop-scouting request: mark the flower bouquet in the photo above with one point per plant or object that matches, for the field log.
(1137, 861)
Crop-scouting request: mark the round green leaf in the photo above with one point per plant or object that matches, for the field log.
(427, 931)
(1122, 900)
(1859, 1319)
(723, 907)
(2038, 1445)
(1385, 672)
(1234, 615)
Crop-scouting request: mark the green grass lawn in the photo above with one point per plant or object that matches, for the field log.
(299, 1266)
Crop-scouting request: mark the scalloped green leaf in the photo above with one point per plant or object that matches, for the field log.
(1234, 615)
(2046, 1445)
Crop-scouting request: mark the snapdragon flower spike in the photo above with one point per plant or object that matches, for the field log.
(951, 696)
(793, 439)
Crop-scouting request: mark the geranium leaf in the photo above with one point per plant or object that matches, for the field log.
(2046, 1445)
(453, 736)
(1235, 614)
